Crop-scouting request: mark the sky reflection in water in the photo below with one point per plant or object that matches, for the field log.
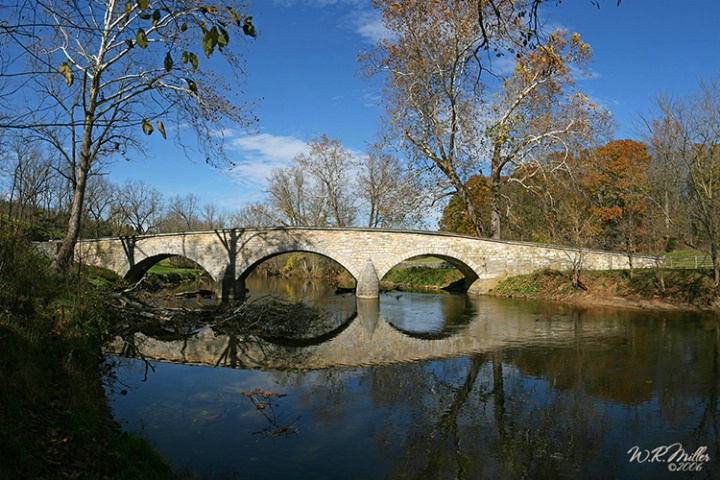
(545, 392)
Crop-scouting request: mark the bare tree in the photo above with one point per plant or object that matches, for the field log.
(30, 174)
(99, 200)
(293, 199)
(254, 215)
(138, 206)
(330, 165)
(182, 214)
(391, 195)
(315, 190)
(90, 78)
(212, 217)
(686, 138)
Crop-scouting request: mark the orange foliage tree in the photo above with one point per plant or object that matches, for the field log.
(456, 119)
(618, 183)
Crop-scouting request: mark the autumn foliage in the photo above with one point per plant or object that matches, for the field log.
(600, 200)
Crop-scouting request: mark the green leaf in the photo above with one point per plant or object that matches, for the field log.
(209, 41)
(191, 85)
(129, 43)
(185, 57)
(249, 28)
(183, 27)
(66, 71)
(223, 38)
(155, 18)
(193, 60)
(147, 126)
(168, 62)
(143, 4)
(234, 15)
(141, 38)
(128, 7)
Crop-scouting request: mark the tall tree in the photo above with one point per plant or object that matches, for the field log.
(139, 207)
(315, 190)
(460, 119)
(391, 195)
(101, 194)
(618, 184)
(330, 164)
(293, 199)
(182, 213)
(90, 78)
(685, 137)
(537, 113)
(30, 175)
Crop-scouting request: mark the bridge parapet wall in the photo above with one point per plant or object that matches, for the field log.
(230, 255)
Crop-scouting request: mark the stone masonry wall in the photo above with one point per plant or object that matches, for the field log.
(234, 253)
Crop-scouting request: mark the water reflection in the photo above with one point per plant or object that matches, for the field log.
(512, 390)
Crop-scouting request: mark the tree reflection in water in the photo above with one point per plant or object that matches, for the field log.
(566, 395)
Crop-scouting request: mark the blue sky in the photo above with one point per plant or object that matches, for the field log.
(302, 67)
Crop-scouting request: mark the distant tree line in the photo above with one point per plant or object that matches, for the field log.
(328, 187)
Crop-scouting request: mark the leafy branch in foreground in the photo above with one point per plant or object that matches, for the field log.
(92, 79)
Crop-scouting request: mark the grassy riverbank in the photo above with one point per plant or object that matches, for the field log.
(418, 276)
(55, 422)
(689, 289)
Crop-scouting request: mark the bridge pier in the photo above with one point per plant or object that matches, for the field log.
(368, 314)
(368, 285)
(231, 289)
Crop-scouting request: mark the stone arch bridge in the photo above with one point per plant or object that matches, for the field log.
(229, 255)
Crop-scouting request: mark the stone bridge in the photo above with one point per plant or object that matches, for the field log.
(229, 255)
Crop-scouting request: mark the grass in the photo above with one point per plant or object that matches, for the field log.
(678, 286)
(688, 259)
(420, 276)
(168, 278)
(54, 418)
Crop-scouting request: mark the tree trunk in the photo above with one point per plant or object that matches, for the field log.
(462, 192)
(66, 254)
(716, 263)
(495, 215)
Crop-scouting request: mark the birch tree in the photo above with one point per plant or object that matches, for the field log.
(92, 78)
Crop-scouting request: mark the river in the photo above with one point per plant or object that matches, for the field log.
(431, 386)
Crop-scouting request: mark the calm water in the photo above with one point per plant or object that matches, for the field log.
(431, 386)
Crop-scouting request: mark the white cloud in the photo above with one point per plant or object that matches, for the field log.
(369, 26)
(255, 156)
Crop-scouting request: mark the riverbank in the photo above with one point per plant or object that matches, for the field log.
(651, 289)
(55, 421)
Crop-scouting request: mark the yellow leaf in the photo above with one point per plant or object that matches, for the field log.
(66, 71)
(147, 126)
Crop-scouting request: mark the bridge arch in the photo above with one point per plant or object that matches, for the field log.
(248, 265)
(142, 253)
(470, 270)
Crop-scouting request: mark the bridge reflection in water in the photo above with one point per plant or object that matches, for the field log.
(376, 334)
(437, 387)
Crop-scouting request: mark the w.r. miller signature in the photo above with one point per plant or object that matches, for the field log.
(675, 456)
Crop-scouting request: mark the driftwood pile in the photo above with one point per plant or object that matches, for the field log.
(263, 316)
